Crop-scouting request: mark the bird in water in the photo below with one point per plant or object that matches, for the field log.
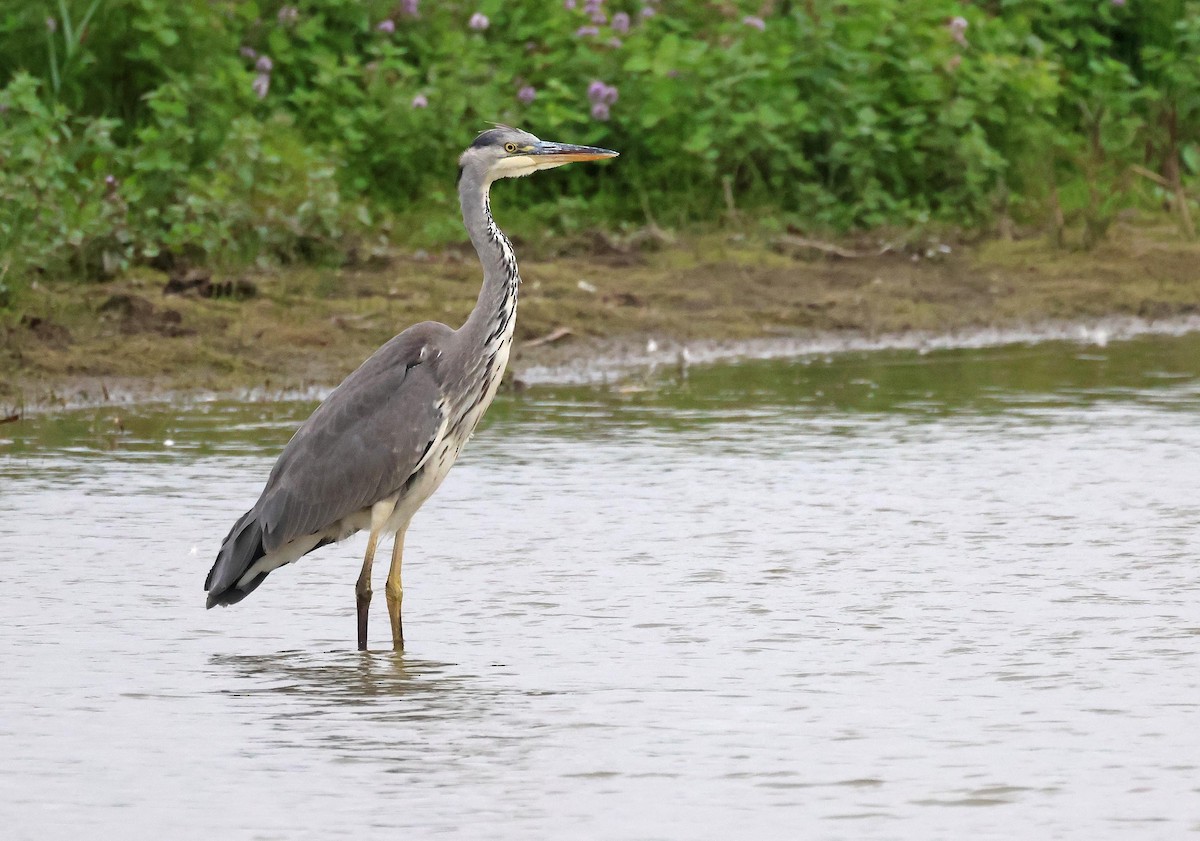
(382, 442)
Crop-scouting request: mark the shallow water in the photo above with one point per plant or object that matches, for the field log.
(887, 595)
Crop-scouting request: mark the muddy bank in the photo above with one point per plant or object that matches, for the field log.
(588, 313)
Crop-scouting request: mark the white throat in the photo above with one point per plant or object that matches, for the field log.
(518, 166)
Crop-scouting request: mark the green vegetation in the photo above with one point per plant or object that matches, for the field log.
(228, 132)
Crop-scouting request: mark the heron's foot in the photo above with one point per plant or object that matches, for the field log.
(364, 611)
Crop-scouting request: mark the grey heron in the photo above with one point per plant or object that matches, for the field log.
(382, 442)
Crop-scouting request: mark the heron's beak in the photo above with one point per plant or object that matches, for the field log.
(547, 154)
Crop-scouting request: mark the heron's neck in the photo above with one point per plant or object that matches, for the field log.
(495, 310)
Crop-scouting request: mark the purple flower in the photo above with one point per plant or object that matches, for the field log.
(527, 94)
(958, 29)
(419, 101)
(110, 181)
(288, 14)
(261, 84)
(1118, 2)
(410, 7)
(755, 23)
(264, 64)
(568, 4)
(601, 96)
(620, 22)
(614, 42)
(479, 22)
(647, 12)
(602, 93)
(387, 25)
(248, 52)
(586, 31)
(51, 25)
(590, 7)
(599, 18)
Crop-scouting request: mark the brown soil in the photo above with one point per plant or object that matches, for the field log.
(67, 342)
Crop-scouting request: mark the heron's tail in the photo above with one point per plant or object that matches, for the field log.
(242, 547)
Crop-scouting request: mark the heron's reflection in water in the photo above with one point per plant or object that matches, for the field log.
(385, 681)
(347, 702)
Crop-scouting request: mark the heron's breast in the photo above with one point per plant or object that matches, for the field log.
(466, 407)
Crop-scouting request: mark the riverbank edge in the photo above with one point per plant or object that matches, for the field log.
(608, 362)
(614, 362)
(589, 317)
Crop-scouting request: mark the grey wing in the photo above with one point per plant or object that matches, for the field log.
(362, 443)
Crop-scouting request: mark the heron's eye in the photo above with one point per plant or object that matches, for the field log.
(510, 147)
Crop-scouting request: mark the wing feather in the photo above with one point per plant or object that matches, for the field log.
(362, 444)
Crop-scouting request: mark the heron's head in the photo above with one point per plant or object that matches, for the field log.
(504, 152)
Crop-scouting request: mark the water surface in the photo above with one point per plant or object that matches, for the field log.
(885, 595)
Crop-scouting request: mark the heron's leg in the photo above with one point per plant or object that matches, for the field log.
(363, 592)
(395, 591)
(380, 512)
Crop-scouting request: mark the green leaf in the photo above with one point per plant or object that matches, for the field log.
(1190, 154)
(665, 57)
